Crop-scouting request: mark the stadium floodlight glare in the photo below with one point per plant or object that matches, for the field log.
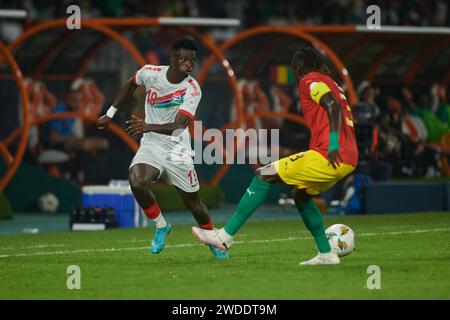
(210, 22)
(13, 14)
(405, 29)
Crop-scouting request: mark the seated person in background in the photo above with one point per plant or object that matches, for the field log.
(366, 109)
(435, 127)
(68, 135)
(416, 144)
(441, 104)
(41, 103)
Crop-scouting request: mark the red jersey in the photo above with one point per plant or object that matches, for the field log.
(317, 119)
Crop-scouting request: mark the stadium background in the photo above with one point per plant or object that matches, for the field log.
(396, 79)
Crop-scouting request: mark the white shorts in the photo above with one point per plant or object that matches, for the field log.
(175, 167)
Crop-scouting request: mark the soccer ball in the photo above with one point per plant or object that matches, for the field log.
(48, 202)
(341, 239)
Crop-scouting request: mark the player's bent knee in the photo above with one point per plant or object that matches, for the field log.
(268, 174)
(262, 174)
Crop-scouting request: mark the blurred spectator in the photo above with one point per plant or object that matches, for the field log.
(442, 105)
(9, 30)
(404, 147)
(435, 127)
(41, 103)
(366, 113)
(67, 135)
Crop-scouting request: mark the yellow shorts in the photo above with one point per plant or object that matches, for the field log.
(310, 170)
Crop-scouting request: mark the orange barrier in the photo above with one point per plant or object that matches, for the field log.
(104, 25)
(4, 152)
(14, 162)
(23, 131)
(293, 32)
(89, 23)
(100, 25)
(115, 129)
(209, 43)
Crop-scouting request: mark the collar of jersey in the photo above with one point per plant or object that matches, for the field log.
(167, 82)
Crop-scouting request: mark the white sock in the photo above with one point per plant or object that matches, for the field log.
(228, 239)
(160, 221)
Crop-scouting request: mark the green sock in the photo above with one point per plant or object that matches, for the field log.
(314, 223)
(254, 196)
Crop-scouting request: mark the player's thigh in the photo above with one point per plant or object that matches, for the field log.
(146, 166)
(142, 174)
(268, 173)
(303, 168)
(311, 171)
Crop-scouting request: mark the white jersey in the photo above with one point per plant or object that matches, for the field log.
(162, 103)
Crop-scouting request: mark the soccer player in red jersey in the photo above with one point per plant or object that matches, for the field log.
(332, 155)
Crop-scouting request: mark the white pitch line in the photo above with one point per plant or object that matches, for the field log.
(48, 253)
(404, 232)
(38, 246)
(136, 240)
(183, 245)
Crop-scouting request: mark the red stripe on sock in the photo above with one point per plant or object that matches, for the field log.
(208, 226)
(153, 212)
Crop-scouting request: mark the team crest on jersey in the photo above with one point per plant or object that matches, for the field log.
(173, 99)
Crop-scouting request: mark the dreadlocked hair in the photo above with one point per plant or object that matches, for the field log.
(307, 59)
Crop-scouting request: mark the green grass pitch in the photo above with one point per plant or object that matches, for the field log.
(412, 251)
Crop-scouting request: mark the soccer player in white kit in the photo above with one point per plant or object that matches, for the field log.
(165, 149)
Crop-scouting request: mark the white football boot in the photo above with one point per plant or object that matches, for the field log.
(217, 238)
(323, 258)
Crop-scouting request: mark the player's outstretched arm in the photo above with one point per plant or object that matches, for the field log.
(333, 108)
(136, 126)
(125, 92)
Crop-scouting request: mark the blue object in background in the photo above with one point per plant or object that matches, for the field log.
(354, 204)
(128, 212)
(397, 197)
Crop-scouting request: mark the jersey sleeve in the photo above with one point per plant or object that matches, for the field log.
(317, 89)
(191, 100)
(142, 74)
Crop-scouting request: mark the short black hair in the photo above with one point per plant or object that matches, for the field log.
(184, 43)
(307, 59)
